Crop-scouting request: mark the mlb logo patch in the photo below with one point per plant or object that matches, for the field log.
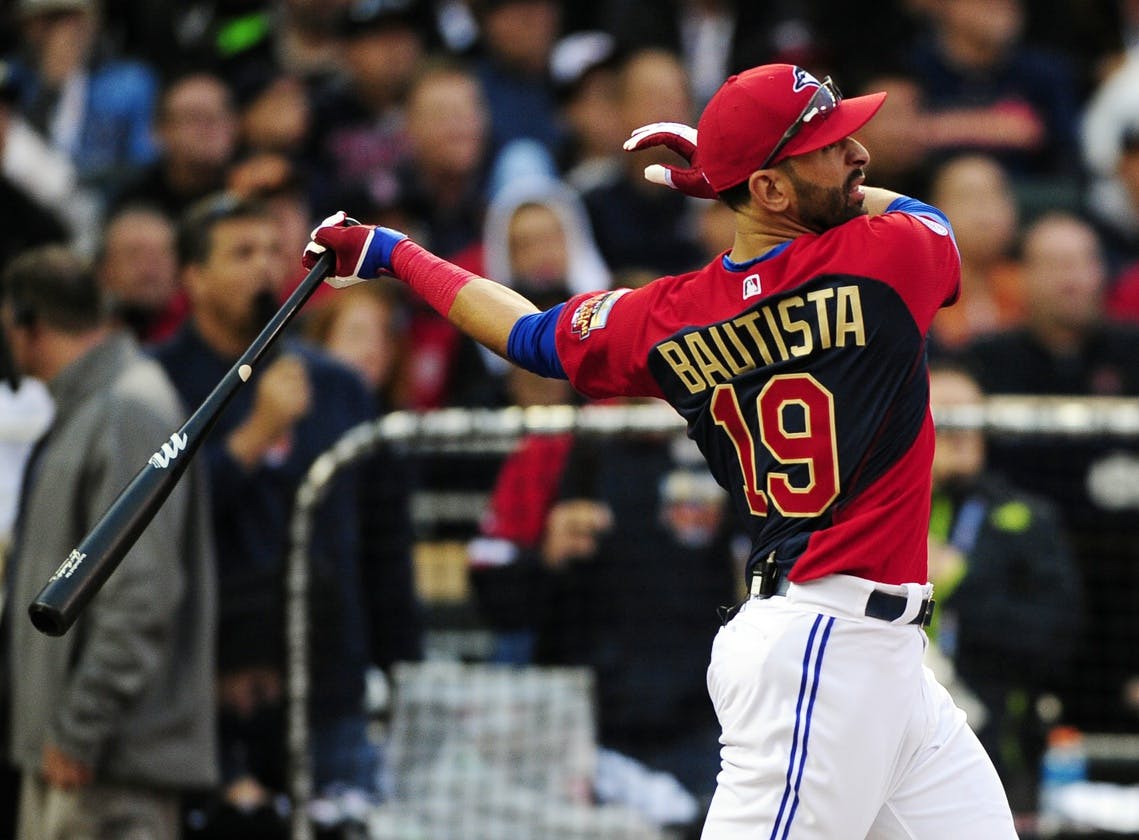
(593, 313)
(752, 286)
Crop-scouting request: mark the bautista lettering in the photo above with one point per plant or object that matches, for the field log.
(790, 328)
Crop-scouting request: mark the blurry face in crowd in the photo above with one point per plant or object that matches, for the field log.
(537, 245)
(447, 123)
(315, 15)
(991, 25)
(1128, 170)
(139, 265)
(594, 114)
(975, 194)
(654, 88)
(522, 33)
(381, 62)
(198, 125)
(244, 263)
(278, 119)
(958, 454)
(1064, 274)
(363, 337)
(60, 40)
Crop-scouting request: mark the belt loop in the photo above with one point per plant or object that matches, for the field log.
(765, 577)
(915, 594)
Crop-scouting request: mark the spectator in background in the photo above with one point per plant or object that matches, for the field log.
(442, 194)
(1123, 298)
(279, 184)
(583, 67)
(1066, 347)
(274, 112)
(604, 577)
(714, 38)
(197, 130)
(1008, 606)
(364, 327)
(537, 237)
(112, 723)
(512, 65)
(976, 195)
(359, 135)
(638, 227)
(41, 200)
(94, 108)
(985, 90)
(1109, 142)
(137, 269)
(232, 269)
(442, 183)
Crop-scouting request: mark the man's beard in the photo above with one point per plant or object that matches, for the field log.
(823, 208)
(261, 308)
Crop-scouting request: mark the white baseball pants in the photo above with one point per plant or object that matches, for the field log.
(832, 729)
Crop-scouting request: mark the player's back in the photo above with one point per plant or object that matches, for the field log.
(802, 377)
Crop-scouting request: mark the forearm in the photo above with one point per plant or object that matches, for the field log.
(878, 199)
(481, 308)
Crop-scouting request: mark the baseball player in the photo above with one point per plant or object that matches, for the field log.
(798, 360)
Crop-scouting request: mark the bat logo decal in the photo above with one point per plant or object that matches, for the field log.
(170, 450)
(67, 567)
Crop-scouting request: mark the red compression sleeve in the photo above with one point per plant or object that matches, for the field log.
(434, 279)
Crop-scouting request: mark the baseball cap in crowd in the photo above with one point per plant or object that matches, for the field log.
(31, 8)
(363, 16)
(577, 55)
(769, 113)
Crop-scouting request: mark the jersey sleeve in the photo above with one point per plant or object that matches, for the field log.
(603, 341)
(912, 248)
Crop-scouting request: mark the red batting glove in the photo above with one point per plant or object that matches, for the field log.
(681, 139)
(363, 252)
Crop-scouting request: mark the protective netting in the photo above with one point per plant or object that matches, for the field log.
(490, 738)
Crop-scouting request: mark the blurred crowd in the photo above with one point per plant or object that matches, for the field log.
(173, 157)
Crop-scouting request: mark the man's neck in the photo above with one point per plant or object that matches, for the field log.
(61, 350)
(1060, 340)
(220, 339)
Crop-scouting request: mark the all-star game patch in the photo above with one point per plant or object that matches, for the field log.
(593, 314)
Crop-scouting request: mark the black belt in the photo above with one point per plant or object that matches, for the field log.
(892, 607)
(768, 580)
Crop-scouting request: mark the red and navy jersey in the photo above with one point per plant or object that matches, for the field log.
(802, 378)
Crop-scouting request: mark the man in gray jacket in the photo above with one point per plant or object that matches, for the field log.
(109, 724)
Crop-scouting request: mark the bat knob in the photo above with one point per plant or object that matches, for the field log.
(48, 619)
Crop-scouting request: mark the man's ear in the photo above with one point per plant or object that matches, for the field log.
(770, 190)
(8, 371)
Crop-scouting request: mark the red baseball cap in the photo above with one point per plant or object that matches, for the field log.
(749, 115)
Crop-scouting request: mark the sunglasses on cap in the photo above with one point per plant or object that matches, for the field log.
(823, 102)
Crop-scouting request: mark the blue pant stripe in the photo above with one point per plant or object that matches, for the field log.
(807, 728)
(795, 736)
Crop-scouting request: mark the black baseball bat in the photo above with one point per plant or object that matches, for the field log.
(87, 567)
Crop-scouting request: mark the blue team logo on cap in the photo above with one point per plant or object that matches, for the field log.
(804, 80)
